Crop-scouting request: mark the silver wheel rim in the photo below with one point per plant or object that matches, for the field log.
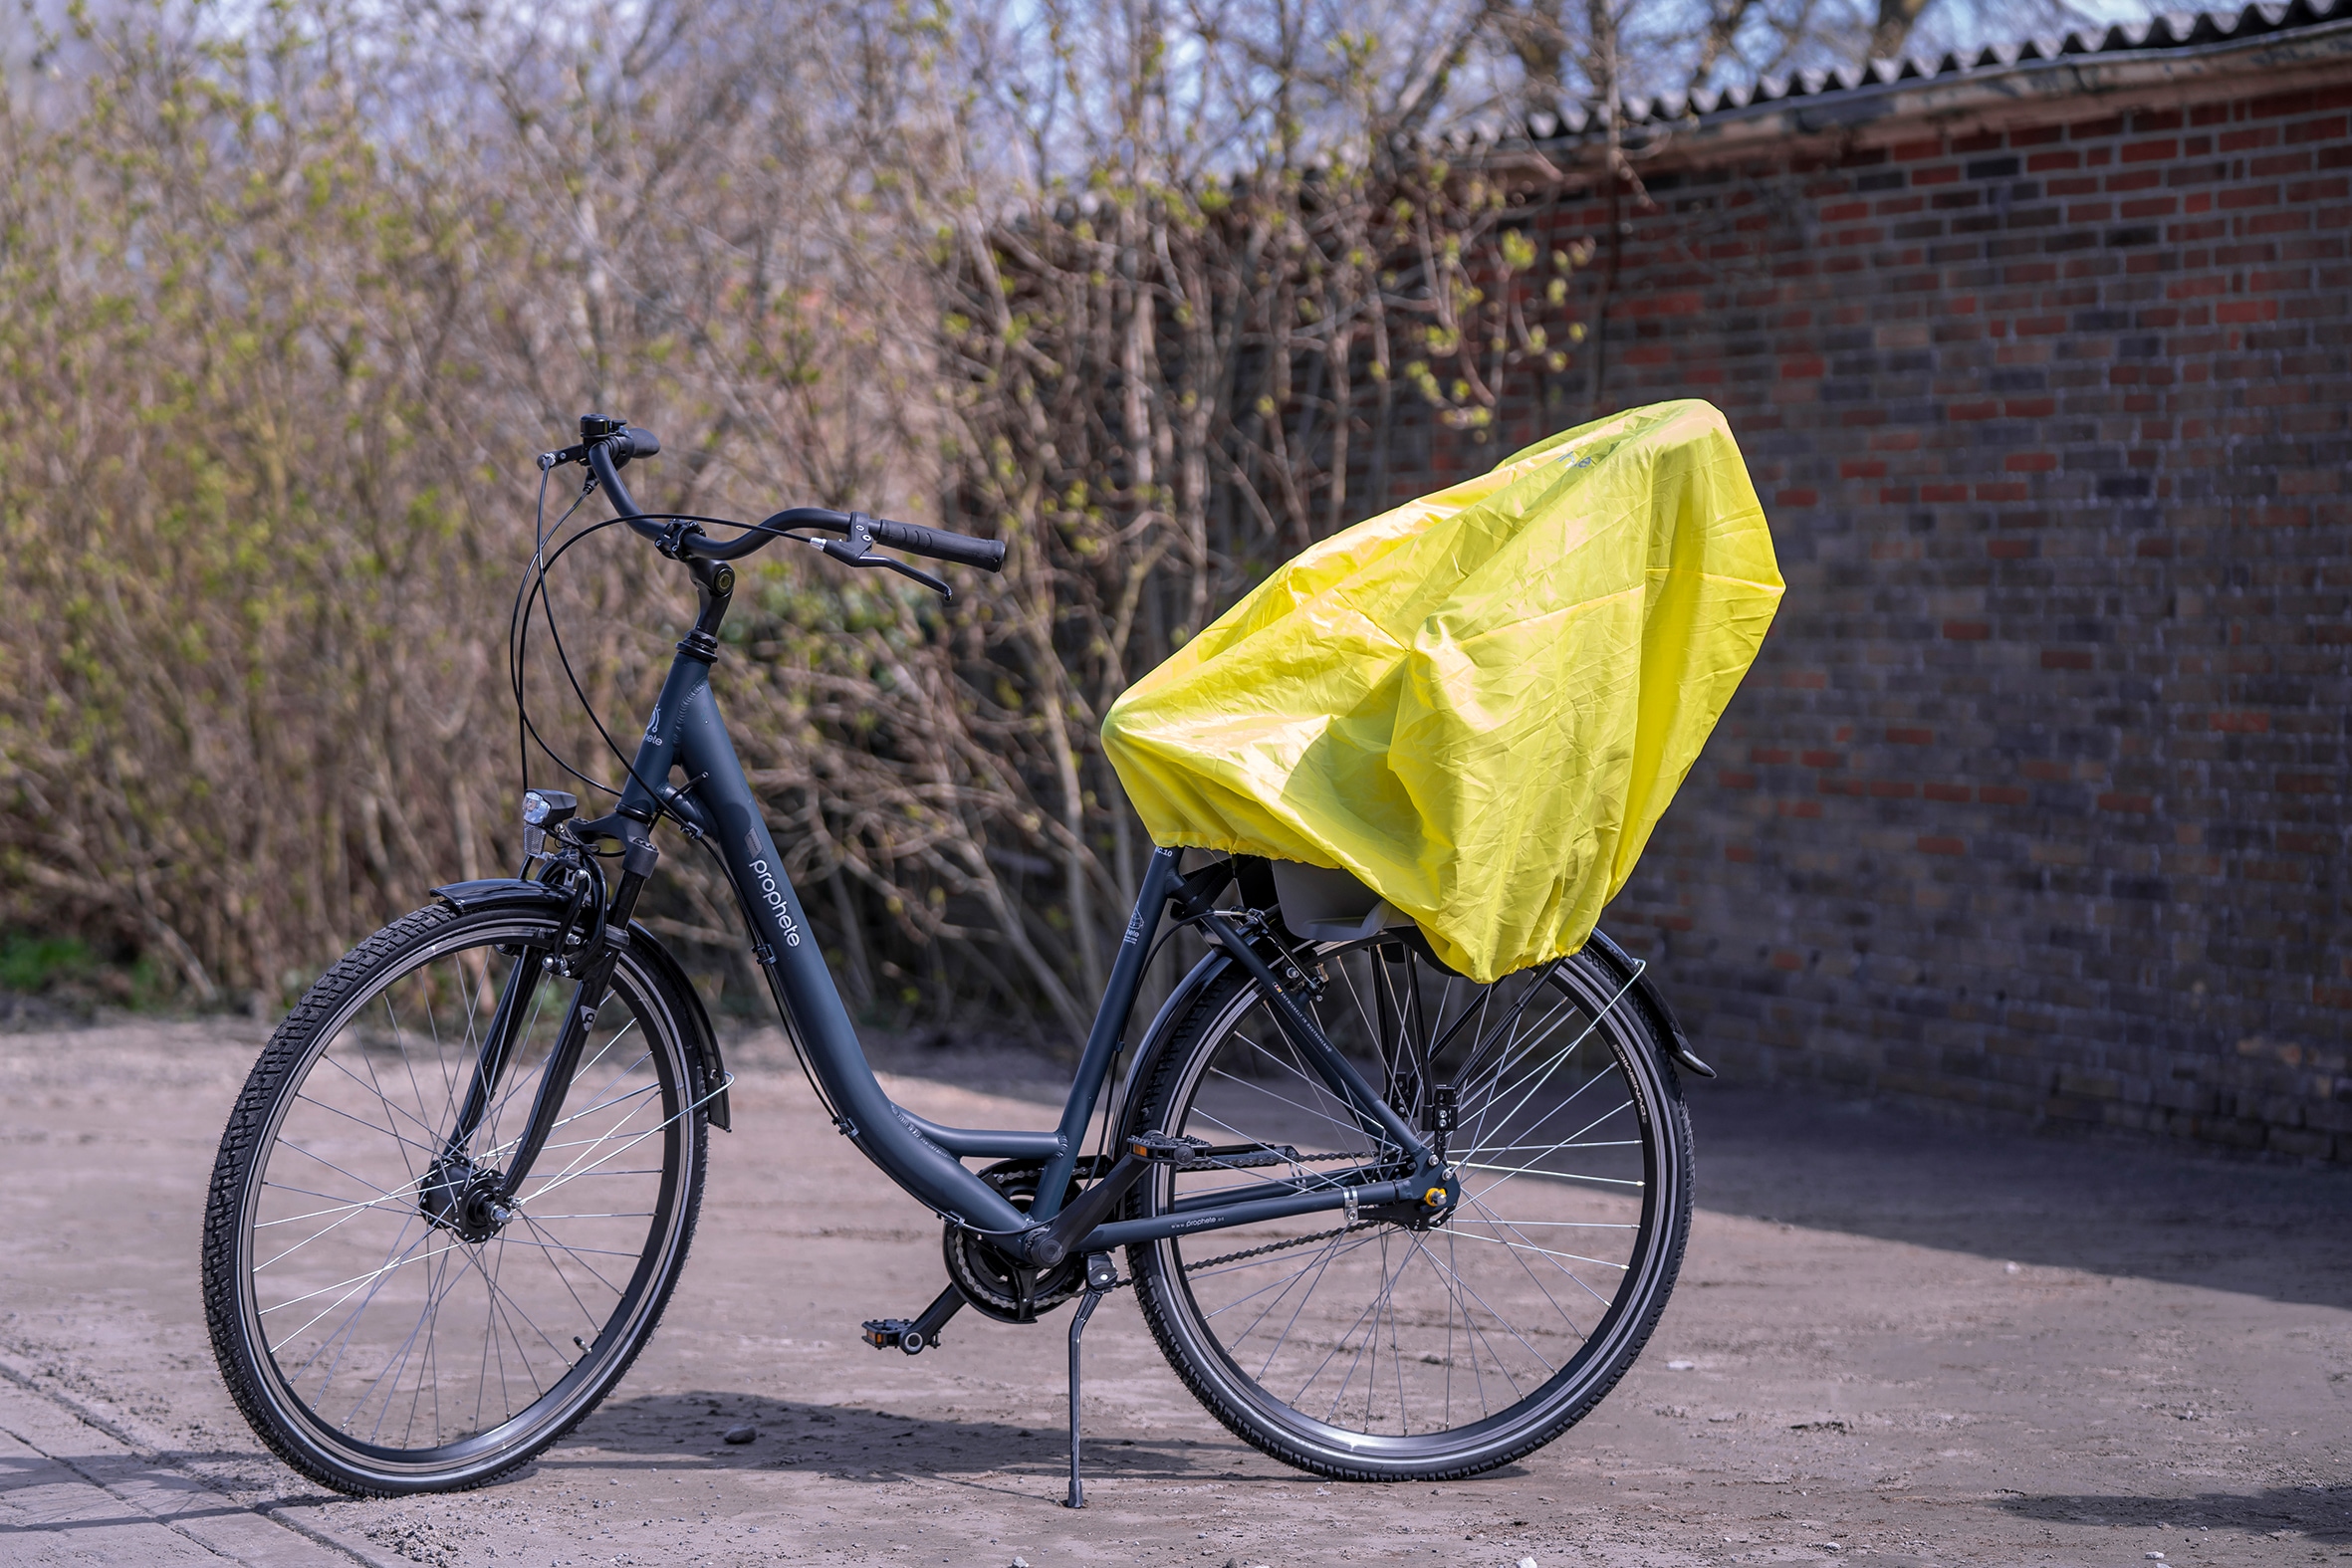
(1378, 1342)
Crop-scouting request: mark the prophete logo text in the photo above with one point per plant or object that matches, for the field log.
(775, 897)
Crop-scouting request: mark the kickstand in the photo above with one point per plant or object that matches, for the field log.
(1102, 1278)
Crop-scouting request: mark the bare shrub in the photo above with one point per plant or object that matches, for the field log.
(285, 310)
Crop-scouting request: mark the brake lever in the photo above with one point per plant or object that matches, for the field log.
(842, 553)
(947, 596)
(857, 550)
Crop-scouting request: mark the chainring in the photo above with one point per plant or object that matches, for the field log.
(987, 1276)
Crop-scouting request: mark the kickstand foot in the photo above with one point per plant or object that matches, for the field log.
(1102, 1278)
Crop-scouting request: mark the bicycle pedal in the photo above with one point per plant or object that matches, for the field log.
(892, 1333)
(1165, 1146)
(918, 1335)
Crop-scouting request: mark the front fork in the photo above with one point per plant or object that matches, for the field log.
(465, 1192)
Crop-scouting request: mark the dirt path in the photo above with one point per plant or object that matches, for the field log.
(1891, 1340)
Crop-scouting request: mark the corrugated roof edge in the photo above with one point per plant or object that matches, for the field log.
(2174, 31)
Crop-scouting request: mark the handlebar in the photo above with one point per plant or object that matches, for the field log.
(606, 444)
(986, 554)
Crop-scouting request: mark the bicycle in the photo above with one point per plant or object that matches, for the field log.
(1384, 1224)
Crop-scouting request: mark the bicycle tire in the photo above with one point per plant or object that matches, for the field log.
(1225, 1075)
(345, 1104)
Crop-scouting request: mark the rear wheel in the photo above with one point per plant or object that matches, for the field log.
(1400, 1347)
(381, 1329)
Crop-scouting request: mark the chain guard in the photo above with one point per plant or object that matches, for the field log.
(987, 1276)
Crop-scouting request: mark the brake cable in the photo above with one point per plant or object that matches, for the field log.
(534, 591)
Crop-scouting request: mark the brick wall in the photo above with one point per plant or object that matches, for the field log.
(2037, 802)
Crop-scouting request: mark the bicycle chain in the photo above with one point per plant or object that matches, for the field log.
(1277, 1247)
(1283, 1156)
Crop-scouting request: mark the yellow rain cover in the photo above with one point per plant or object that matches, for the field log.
(1481, 702)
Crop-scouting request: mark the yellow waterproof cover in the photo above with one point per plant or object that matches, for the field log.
(1481, 702)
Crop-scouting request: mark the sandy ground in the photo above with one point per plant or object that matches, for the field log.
(1892, 1340)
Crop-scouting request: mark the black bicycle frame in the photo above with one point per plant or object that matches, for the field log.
(686, 735)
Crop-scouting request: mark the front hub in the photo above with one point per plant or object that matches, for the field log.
(461, 1197)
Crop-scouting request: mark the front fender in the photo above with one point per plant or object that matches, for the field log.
(516, 892)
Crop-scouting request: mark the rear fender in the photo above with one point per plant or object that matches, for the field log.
(514, 892)
(1648, 998)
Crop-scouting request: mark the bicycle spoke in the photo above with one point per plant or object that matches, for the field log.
(1405, 1325)
(378, 1314)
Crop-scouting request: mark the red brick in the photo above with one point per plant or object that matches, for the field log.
(2238, 723)
(2278, 163)
(1910, 737)
(1940, 844)
(2138, 803)
(2065, 659)
(1967, 630)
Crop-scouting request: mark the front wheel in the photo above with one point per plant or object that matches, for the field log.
(1368, 1346)
(385, 1333)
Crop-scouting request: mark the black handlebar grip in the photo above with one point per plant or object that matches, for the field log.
(637, 442)
(986, 554)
